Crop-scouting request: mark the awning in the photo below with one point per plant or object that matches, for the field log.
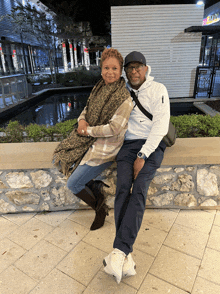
(206, 30)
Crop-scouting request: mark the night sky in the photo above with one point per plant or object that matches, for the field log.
(97, 12)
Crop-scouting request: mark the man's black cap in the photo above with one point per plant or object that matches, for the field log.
(134, 56)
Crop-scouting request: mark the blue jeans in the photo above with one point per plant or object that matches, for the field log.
(129, 207)
(83, 174)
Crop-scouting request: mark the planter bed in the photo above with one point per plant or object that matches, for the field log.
(214, 104)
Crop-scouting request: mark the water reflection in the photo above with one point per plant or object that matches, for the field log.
(56, 108)
(62, 107)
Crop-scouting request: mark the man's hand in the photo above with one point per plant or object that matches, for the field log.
(82, 128)
(138, 165)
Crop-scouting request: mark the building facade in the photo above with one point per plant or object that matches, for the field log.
(158, 32)
(208, 72)
(20, 53)
(210, 49)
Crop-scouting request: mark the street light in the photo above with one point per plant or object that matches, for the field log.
(200, 3)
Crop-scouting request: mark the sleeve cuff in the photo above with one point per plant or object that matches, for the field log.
(145, 152)
(89, 131)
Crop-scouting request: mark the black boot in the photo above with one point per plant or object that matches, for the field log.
(101, 208)
(100, 216)
(87, 196)
(96, 187)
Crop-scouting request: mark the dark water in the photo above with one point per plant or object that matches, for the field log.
(65, 106)
(56, 108)
(181, 108)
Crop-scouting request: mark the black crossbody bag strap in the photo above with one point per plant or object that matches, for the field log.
(145, 112)
(170, 138)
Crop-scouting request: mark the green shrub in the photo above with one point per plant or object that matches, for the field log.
(34, 132)
(66, 127)
(64, 78)
(79, 77)
(39, 78)
(187, 126)
(47, 79)
(196, 125)
(48, 133)
(43, 133)
(14, 133)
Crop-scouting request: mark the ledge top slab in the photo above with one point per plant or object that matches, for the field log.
(186, 151)
(191, 151)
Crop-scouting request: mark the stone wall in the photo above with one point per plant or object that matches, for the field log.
(188, 187)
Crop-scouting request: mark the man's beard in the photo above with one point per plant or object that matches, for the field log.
(135, 83)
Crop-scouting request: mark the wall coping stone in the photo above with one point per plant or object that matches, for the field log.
(186, 151)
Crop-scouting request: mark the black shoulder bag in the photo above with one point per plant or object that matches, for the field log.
(170, 138)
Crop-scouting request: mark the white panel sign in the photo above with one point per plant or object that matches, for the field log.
(158, 32)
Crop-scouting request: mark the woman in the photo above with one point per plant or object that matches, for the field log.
(93, 146)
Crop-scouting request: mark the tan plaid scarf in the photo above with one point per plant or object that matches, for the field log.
(102, 103)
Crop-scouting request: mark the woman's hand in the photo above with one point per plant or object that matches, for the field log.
(82, 128)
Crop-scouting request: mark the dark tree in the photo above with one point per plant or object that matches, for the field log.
(96, 12)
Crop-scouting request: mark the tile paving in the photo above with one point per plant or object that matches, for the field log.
(176, 252)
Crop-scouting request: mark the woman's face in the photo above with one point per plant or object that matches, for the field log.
(111, 70)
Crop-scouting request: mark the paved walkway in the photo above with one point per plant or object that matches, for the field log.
(176, 252)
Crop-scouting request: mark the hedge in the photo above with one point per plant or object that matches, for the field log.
(196, 125)
(187, 126)
(15, 133)
(79, 77)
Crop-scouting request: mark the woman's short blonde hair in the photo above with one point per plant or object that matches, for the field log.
(111, 52)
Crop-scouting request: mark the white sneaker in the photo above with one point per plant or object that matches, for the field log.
(129, 267)
(113, 264)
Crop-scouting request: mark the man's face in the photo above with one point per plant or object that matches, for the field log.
(135, 73)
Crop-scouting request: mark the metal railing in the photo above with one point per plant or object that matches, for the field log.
(207, 82)
(12, 90)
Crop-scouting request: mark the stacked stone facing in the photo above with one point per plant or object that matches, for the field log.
(185, 187)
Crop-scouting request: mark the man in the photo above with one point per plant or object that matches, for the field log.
(137, 161)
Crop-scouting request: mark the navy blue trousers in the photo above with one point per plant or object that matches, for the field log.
(130, 205)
